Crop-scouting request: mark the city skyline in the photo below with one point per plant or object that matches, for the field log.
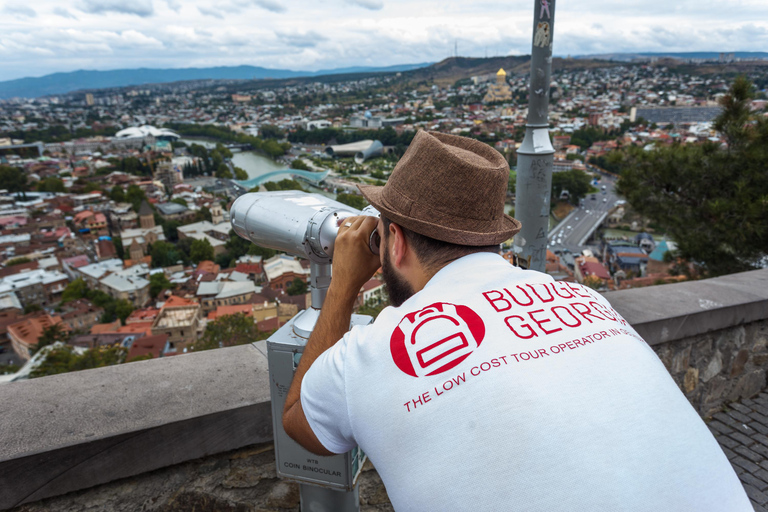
(50, 37)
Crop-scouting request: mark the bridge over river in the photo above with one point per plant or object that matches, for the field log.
(315, 177)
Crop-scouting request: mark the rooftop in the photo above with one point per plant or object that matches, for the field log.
(102, 268)
(145, 209)
(33, 277)
(30, 329)
(171, 208)
(125, 283)
(225, 289)
(182, 316)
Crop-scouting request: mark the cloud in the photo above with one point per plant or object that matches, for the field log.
(306, 40)
(60, 11)
(215, 13)
(21, 11)
(270, 5)
(174, 5)
(141, 8)
(373, 5)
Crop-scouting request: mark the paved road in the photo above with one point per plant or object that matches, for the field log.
(742, 431)
(571, 234)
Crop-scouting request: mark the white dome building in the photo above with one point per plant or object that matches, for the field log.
(140, 132)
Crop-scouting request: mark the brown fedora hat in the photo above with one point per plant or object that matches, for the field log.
(449, 188)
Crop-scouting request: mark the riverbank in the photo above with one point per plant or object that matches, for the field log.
(255, 164)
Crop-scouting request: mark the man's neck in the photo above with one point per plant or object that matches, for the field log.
(425, 275)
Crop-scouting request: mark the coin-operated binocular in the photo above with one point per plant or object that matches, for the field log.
(304, 225)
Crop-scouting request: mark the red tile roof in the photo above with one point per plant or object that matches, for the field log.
(30, 329)
(138, 327)
(174, 301)
(153, 345)
(142, 315)
(102, 328)
(246, 309)
(248, 268)
(595, 269)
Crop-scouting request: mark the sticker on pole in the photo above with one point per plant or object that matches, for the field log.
(541, 140)
(435, 339)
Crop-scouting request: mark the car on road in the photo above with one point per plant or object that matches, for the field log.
(605, 200)
(594, 196)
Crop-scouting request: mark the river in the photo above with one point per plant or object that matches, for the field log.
(251, 162)
(256, 164)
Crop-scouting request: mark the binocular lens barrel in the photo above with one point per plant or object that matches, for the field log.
(296, 222)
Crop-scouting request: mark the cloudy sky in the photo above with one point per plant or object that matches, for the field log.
(47, 36)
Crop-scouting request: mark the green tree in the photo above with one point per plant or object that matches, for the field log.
(285, 184)
(51, 335)
(373, 307)
(135, 196)
(65, 359)
(237, 247)
(171, 230)
(353, 200)
(297, 287)
(710, 200)
(157, 283)
(13, 179)
(32, 308)
(17, 261)
(223, 171)
(165, 254)
(77, 289)
(180, 200)
(119, 249)
(51, 184)
(123, 309)
(585, 137)
(117, 194)
(270, 131)
(575, 181)
(8, 369)
(273, 148)
(298, 163)
(203, 214)
(200, 250)
(228, 331)
(240, 174)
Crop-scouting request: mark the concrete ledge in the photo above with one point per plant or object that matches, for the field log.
(80, 430)
(682, 310)
(77, 430)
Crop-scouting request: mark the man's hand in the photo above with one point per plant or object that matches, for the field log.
(353, 262)
(353, 265)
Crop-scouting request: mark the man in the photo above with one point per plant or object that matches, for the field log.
(488, 387)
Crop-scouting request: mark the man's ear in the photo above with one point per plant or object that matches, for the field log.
(399, 246)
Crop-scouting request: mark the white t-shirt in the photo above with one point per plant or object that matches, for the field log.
(496, 388)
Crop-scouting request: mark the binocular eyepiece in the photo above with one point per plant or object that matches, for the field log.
(296, 222)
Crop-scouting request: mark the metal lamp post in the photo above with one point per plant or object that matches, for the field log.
(536, 154)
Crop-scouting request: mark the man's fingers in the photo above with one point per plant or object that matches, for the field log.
(353, 224)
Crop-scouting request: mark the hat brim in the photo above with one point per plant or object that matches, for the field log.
(478, 233)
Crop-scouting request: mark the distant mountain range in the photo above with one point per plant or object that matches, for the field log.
(674, 55)
(62, 83)
(448, 70)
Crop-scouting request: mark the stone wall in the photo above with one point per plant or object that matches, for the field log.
(712, 335)
(719, 367)
(237, 481)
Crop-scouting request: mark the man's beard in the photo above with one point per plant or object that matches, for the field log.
(398, 289)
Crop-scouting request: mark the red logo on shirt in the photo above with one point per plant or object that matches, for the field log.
(435, 339)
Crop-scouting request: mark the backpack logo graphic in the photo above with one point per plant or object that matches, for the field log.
(435, 339)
